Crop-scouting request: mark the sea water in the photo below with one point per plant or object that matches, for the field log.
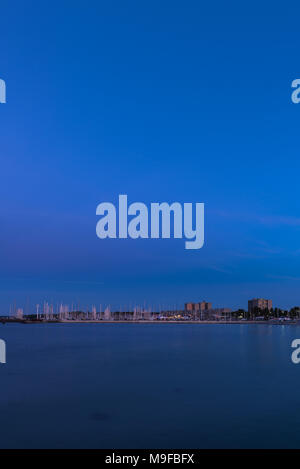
(149, 386)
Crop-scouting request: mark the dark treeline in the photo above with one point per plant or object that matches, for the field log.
(273, 313)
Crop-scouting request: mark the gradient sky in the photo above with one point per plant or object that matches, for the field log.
(164, 101)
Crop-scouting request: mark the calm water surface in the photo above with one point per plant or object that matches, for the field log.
(149, 386)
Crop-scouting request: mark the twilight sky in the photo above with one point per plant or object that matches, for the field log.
(164, 101)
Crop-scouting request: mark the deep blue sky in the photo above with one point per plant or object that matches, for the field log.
(163, 101)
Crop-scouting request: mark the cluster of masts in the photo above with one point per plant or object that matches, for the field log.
(63, 312)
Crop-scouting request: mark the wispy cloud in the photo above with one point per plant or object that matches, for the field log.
(222, 270)
(264, 219)
(83, 282)
(279, 220)
(283, 277)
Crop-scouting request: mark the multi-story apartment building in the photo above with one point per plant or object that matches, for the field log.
(259, 303)
(189, 307)
(197, 307)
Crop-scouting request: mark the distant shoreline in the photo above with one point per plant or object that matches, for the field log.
(270, 323)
